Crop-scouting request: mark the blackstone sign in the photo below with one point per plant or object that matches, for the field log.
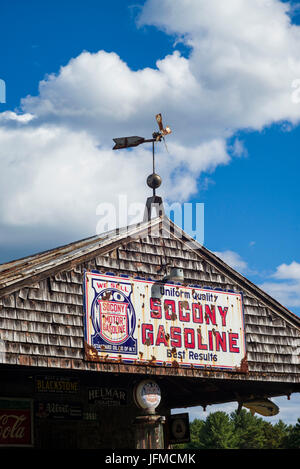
(142, 321)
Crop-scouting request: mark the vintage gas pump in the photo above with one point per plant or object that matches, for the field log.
(149, 432)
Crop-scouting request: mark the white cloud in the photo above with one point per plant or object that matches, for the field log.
(56, 159)
(288, 294)
(99, 92)
(287, 289)
(52, 175)
(244, 57)
(239, 149)
(233, 259)
(10, 116)
(291, 271)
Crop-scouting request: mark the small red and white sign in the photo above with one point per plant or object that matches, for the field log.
(113, 320)
(16, 422)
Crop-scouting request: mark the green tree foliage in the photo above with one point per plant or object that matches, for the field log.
(218, 431)
(248, 430)
(293, 439)
(241, 431)
(196, 430)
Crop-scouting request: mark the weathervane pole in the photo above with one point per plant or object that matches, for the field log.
(154, 180)
(153, 166)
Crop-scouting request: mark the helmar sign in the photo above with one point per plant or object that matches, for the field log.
(141, 321)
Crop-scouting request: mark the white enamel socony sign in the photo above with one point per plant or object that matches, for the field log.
(142, 321)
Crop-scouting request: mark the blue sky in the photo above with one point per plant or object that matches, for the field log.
(222, 77)
(38, 38)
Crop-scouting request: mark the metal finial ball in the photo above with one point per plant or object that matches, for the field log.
(154, 181)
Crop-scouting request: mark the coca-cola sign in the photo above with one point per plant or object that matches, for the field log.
(15, 422)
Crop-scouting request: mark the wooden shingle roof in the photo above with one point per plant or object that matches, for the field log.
(41, 304)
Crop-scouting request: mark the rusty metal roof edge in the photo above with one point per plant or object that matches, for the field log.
(44, 261)
(70, 246)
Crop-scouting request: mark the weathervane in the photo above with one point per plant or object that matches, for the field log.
(153, 180)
